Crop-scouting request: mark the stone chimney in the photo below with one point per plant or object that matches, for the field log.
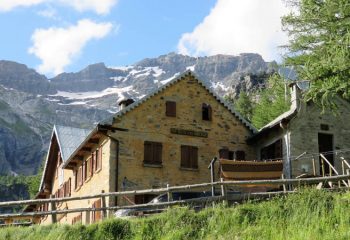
(295, 93)
(125, 102)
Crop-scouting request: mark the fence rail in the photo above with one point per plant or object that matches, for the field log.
(221, 184)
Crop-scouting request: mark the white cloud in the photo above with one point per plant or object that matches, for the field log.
(98, 6)
(8, 5)
(56, 47)
(234, 27)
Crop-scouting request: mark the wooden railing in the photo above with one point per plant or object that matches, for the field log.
(332, 169)
(221, 184)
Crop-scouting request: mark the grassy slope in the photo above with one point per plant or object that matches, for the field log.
(311, 214)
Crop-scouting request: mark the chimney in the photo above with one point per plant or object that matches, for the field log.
(125, 102)
(295, 95)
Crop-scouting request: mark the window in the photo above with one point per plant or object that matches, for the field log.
(272, 151)
(153, 153)
(224, 153)
(85, 169)
(170, 109)
(98, 156)
(76, 179)
(88, 168)
(240, 155)
(189, 157)
(79, 177)
(206, 112)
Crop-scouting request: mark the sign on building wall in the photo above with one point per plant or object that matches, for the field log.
(189, 132)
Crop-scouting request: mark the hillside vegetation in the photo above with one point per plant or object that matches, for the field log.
(310, 214)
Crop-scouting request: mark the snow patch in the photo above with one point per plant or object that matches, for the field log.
(191, 68)
(93, 94)
(219, 85)
(165, 81)
(122, 68)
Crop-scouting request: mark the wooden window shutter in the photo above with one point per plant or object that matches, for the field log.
(209, 113)
(194, 157)
(157, 153)
(148, 152)
(93, 161)
(170, 109)
(99, 159)
(69, 187)
(224, 153)
(240, 155)
(184, 157)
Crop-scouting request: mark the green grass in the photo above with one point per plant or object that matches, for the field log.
(310, 214)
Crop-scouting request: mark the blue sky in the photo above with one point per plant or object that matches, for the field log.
(66, 35)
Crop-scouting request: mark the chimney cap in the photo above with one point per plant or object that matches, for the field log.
(126, 101)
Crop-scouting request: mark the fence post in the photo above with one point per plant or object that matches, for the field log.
(284, 185)
(348, 173)
(53, 208)
(223, 190)
(322, 165)
(314, 165)
(103, 203)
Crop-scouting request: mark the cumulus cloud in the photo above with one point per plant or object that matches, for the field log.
(234, 27)
(98, 6)
(57, 47)
(8, 5)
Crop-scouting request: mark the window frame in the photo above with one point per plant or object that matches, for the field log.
(156, 148)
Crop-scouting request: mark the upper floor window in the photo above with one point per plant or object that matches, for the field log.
(189, 157)
(153, 153)
(170, 109)
(206, 112)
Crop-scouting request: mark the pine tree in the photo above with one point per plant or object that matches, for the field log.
(244, 106)
(270, 102)
(319, 46)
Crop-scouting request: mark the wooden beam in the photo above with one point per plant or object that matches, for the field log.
(78, 158)
(94, 141)
(85, 149)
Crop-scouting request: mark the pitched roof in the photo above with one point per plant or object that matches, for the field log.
(68, 139)
(109, 121)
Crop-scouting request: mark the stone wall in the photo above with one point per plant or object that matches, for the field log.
(148, 122)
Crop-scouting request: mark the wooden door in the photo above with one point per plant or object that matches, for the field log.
(325, 146)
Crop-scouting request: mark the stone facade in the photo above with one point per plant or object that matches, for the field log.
(300, 135)
(148, 122)
(123, 145)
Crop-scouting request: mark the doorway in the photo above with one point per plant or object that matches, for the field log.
(325, 146)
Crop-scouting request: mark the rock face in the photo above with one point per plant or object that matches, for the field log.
(30, 103)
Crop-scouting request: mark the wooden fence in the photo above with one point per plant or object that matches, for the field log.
(292, 184)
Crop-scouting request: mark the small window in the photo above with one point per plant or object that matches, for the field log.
(240, 155)
(206, 112)
(223, 153)
(98, 156)
(189, 157)
(153, 153)
(170, 109)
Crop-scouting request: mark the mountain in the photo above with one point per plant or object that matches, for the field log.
(30, 103)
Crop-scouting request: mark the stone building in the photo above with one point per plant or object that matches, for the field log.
(300, 134)
(168, 137)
